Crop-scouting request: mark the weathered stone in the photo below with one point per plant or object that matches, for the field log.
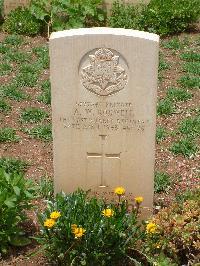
(104, 109)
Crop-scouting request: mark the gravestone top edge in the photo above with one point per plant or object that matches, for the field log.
(105, 31)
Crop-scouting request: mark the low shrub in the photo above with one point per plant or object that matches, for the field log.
(124, 16)
(78, 229)
(21, 21)
(13, 165)
(60, 15)
(169, 16)
(16, 193)
(161, 17)
(162, 182)
(175, 232)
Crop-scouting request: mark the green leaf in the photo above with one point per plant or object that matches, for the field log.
(20, 241)
(16, 190)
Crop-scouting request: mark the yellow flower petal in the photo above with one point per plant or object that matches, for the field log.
(55, 215)
(119, 191)
(108, 212)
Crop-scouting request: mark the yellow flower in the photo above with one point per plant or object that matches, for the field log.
(108, 212)
(151, 228)
(55, 215)
(73, 227)
(78, 232)
(139, 200)
(49, 223)
(119, 191)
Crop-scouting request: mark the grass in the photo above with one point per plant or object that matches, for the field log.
(33, 115)
(30, 68)
(46, 187)
(174, 44)
(17, 56)
(161, 134)
(14, 40)
(189, 82)
(26, 79)
(175, 94)
(165, 107)
(190, 127)
(192, 68)
(163, 65)
(4, 106)
(42, 132)
(42, 53)
(5, 69)
(8, 134)
(4, 48)
(13, 92)
(45, 96)
(185, 147)
(190, 56)
(13, 165)
(162, 182)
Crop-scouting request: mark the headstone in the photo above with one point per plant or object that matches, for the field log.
(104, 84)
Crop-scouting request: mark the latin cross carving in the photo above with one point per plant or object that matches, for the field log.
(103, 156)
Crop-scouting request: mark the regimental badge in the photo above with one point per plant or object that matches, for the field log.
(103, 76)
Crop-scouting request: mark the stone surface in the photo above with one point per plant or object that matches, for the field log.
(104, 110)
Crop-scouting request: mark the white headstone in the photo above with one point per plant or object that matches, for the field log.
(104, 109)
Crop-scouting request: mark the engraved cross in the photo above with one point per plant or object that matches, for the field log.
(103, 156)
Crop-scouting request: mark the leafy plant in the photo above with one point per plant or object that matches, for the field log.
(189, 194)
(192, 67)
(163, 65)
(165, 107)
(83, 230)
(45, 96)
(176, 94)
(4, 106)
(59, 15)
(162, 182)
(5, 69)
(31, 68)
(13, 40)
(8, 134)
(177, 232)
(190, 56)
(21, 21)
(160, 134)
(124, 16)
(17, 56)
(168, 17)
(46, 187)
(190, 82)
(185, 146)
(190, 126)
(42, 53)
(13, 92)
(174, 44)
(16, 193)
(33, 115)
(43, 132)
(13, 165)
(26, 79)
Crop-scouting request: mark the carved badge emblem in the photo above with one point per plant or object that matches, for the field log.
(103, 76)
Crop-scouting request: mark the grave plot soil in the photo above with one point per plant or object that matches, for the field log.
(184, 171)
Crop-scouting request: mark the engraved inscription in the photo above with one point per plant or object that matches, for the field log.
(111, 116)
(103, 76)
(104, 156)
